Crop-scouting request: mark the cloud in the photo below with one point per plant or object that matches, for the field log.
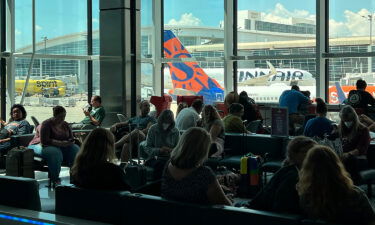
(95, 20)
(37, 27)
(280, 14)
(17, 32)
(186, 19)
(354, 24)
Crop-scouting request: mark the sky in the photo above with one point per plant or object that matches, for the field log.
(61, 17)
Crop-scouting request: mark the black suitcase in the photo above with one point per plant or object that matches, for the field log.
(20, 162)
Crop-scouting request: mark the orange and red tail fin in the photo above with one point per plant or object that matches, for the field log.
(189, 75)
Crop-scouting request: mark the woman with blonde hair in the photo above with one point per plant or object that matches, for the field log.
(280, 194)
(94, 166)
(355, 139)
(327, 192)
(185, 178)
(213, 124)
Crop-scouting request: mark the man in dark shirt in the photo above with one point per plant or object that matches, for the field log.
(360, 99)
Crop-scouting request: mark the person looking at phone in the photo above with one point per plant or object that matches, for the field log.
(93, 117)
(54, 142)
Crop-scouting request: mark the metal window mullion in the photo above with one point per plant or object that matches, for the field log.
(3, 60)
(322, 19)
(89, 51)
(157, 46)
(228, 45)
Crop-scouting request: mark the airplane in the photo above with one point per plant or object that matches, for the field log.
(188, 78)
(45, 87)
(262, 84)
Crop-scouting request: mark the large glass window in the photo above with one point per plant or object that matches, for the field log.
(23, 26)
(276, 28)
(191, 31)
(147, 74)
(276, 24)
(265, 80)
(61, 27)
(60, 87)
(350, 25)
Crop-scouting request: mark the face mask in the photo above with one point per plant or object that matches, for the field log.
(348, 124)
(165, 126)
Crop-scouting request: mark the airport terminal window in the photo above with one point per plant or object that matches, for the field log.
(96, 77)
(146, 29)
(277, 22)
(147, 89)
(61, 27)
(57, 86)
(349, 25)
(345, 72)
(23, 24)
(192, 25)
(265, 80)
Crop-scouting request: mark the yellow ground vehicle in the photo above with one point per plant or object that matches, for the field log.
(44, 87)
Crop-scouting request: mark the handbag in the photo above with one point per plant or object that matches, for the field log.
(334, 144)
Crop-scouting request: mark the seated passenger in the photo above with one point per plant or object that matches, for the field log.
(250, 113)
(185, 178)
(360, 98)
(161, 139)
(327, 192)
(17, 125)
(280, 194)
(368, 122)
(189, 117)
(139, 126)
(355, 141)
(181, 106)
(233, 122)
(293, 99)
(212, 123)
(320, 125)
(55, 143)
(231, 97)
(92, 118)
(94, 166)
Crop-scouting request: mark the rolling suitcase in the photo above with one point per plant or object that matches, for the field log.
(20, 162)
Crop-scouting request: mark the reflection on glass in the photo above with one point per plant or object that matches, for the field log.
(52, 82)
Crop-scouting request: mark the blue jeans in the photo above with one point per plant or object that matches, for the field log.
(55, 156)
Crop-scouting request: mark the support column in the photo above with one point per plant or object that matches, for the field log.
(116, 61)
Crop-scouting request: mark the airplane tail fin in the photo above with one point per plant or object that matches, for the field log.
(189, 75)
(272, 68)
(340, 92)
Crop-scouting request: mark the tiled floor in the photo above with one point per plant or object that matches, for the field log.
(47, 195)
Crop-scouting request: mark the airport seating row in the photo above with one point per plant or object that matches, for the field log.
(122, 207)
